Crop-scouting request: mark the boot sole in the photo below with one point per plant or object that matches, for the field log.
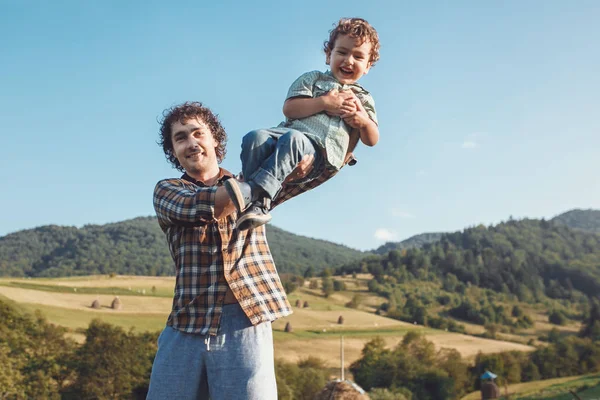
(251, 221)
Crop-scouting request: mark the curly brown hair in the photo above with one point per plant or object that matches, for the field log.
(356, 28)
(182, 113)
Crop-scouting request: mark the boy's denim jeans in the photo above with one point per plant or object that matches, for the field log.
(270, 155)
(235, 364)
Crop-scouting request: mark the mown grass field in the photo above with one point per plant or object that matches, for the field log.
(551, 389)
(146, 302)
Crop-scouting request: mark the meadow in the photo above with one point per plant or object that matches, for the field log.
(586, 387)
(146, 302)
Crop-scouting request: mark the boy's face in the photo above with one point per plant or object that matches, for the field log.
(194, 146)
(349, 59)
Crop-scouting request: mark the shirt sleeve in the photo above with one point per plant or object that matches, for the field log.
(303, 86)
(177, 204)
(290, 191)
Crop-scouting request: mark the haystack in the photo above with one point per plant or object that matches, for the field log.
(288, 327)
(116, 303)
(298, 303)
(341, 320)
(342, 390)
(305, 304)
(96, 304)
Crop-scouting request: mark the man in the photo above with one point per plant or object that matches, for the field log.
(218, 339)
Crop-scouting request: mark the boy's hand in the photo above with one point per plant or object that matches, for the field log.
(337, 103)
(358, 118)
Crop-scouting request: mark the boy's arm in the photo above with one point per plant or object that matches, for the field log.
(363, 122)
(331, 102)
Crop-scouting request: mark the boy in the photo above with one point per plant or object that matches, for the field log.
(325, 113)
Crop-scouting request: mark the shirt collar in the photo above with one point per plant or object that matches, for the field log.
(223, 176)
(352, 85)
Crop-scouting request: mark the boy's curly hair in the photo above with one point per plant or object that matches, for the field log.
(356, 28)
(183, 113)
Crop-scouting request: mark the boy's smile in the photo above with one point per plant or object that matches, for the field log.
(349, 59)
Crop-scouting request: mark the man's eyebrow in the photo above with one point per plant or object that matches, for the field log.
(179, 134)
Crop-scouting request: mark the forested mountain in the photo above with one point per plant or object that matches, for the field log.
(294, 253)
(138, 247)
(528, 258)
(413, 241)
(587, 220)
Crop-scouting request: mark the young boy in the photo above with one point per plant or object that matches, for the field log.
(325, 114)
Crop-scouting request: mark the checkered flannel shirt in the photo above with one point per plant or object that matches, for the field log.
(211, 255)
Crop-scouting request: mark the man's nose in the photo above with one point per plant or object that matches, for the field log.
(192, 143)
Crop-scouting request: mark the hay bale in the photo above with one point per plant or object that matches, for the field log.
(341, 320)
(298, 303)
(116, 304)
(96, 304)
(288, 327)
(305, 304)
(342, 390)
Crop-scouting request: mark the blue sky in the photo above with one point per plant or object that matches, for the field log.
(486, 109)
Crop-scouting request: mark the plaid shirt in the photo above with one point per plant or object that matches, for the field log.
(290, 190)
(211, 255)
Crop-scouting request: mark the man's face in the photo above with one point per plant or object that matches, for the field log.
(349, 59)
(194, 146)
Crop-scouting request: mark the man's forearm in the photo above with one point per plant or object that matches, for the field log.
(223, 204)
(176, 204)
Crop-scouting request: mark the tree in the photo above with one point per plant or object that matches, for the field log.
(557, 318)
(12, 384)
(112, 363)
(338, 285)
(327, 287)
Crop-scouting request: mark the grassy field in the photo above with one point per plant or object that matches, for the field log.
(552, 389)
(146, 303)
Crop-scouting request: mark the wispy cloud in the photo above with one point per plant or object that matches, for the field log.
(385, 234)
(469, 144)
(396, 212)
(473, 140)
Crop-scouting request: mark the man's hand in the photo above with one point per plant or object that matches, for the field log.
(337, 103)
(302, 169)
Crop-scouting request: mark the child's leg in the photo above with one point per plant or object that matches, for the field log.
(291, 146)
(257, 146)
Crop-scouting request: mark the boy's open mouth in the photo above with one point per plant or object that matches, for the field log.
(346, 71)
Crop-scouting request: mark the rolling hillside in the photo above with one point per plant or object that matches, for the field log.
(586, 220)
(138, 247)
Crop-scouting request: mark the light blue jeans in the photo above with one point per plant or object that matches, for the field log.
(270, 155)
(236, 364)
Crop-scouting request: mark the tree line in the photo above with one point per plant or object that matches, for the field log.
(414, 369)
(138, 247)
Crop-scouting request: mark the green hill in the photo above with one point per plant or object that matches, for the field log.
(414, 241)
(138, 247)
(528, 258)
(586, 220)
